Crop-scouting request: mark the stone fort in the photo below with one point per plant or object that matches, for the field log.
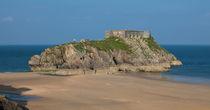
(127, 33)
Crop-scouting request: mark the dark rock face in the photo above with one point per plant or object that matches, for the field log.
(6, 104)
(111, 52)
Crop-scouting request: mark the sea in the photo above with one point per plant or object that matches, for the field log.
(195, 59)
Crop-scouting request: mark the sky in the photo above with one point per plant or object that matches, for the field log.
(35, 22)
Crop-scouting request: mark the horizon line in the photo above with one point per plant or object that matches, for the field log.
(63, 43)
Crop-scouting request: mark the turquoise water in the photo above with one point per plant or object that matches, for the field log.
(196, 60)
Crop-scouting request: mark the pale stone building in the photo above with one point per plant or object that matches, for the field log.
(127, 33)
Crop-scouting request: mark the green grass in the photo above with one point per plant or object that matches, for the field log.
(46, 61)
(110, 44)
(107, 45)
(81, 47)
(153, 45)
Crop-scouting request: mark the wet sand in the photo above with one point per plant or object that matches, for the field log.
(107, 92)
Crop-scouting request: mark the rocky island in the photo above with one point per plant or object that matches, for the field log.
(121, 50)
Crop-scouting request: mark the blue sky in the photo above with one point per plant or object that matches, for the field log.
(59, 21)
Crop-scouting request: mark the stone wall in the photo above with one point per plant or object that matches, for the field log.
(127, 33)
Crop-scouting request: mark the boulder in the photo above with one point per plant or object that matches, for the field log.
(6, 104)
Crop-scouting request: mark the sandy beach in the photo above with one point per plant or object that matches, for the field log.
(106, 92)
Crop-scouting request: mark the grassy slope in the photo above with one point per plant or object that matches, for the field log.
(107, 45)
(153, 45)
(110, 44)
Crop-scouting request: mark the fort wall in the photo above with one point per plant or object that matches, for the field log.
(127, 33)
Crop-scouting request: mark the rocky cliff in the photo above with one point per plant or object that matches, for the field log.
(123, 54)
(6, 104)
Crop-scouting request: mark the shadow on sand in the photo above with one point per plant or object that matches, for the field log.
(14, 95)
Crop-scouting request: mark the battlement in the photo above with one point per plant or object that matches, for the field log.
(127, 33)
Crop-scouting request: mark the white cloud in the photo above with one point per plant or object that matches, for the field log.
(7, 19)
